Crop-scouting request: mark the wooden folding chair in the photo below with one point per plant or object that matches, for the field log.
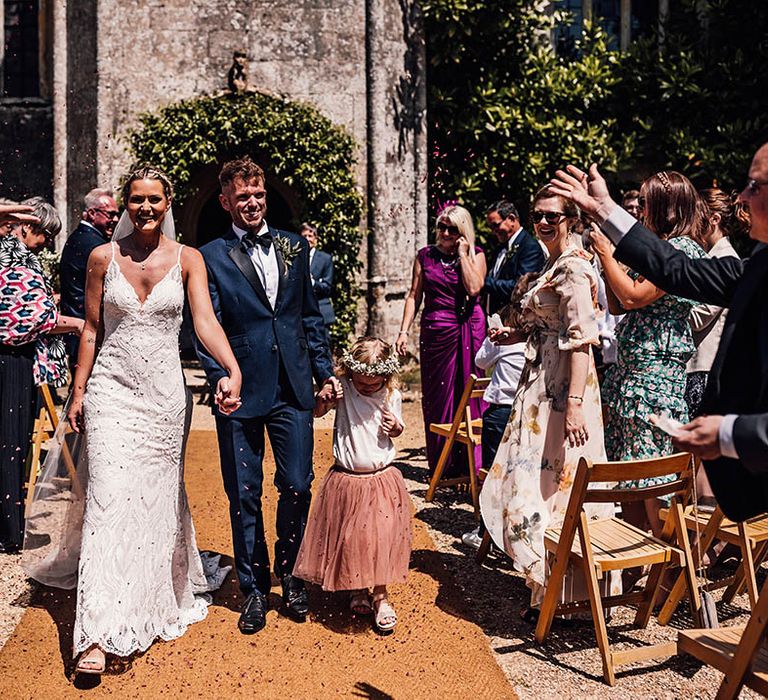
(751, 537)
(610, 544)
(44, 427)
(463, 429)
(739, 652)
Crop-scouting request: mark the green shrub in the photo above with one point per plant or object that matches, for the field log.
(297, 143)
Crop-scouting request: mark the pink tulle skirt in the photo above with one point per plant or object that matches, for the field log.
(359, 532)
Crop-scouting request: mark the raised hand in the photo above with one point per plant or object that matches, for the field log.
(228, 395)
(463, 246)
(588, 191)
(505, 336)
(601, 244)
(14, 214)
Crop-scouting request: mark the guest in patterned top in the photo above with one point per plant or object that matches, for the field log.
(30, 353)
(654, 338)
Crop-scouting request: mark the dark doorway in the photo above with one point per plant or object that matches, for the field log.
(213, 220)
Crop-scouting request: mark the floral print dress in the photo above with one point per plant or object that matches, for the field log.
(654, 345)
(529, 484)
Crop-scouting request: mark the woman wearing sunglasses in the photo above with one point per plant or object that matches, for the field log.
(448, 276)
(654, 337)
(556, 415)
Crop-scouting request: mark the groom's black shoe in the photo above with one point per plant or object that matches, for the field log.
(295, 598)
(253, 617)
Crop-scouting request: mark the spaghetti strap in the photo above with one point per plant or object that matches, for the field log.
(112, 243)
(178, 259)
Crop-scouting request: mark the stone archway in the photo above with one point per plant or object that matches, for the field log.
(307, 158)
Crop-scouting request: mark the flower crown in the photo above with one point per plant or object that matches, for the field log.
(382, 368)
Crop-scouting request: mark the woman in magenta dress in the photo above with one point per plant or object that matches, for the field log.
(448, 276)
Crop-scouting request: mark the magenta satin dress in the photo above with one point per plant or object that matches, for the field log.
(453, 327)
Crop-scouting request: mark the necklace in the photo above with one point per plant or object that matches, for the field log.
(143, 263)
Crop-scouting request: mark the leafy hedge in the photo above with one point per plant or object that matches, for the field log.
(506, 108)
(295, 143)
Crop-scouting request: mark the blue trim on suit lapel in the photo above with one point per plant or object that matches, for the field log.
(245, 265)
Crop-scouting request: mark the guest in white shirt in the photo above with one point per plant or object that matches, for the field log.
(507, 362)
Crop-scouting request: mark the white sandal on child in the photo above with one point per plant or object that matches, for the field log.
(386, 617)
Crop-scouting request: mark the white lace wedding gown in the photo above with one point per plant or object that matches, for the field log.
(140, 574)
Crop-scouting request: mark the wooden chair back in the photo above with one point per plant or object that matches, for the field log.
(611, 544)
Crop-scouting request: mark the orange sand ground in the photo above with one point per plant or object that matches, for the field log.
(432, 654)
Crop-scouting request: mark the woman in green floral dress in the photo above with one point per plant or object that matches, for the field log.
(654, 337)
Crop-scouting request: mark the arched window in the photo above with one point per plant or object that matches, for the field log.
(25, 53)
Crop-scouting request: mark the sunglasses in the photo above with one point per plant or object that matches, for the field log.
(453, 230)
(551, 217)
(109, 213)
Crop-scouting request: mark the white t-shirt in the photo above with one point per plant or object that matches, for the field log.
(359, 443)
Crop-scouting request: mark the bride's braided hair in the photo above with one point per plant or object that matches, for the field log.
(148, 172)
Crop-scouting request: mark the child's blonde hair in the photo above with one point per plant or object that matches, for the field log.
(373, 357)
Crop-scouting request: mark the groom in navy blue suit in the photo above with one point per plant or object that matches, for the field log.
(262, 294)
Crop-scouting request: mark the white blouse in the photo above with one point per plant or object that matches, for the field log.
(359, 443)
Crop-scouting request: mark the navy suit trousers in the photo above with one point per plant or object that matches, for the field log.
(241, 448)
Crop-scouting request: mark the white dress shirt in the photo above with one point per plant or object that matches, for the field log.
(509, 361)
(616, 226)
(264, 262)
(311, 255)
(503, 252)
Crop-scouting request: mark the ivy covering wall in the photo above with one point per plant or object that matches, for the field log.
(294, 142)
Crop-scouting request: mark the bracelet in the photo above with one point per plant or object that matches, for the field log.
(580, 399)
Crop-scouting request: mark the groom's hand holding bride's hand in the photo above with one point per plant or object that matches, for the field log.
(228, 394)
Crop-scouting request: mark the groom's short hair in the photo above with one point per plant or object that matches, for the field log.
(244, 168)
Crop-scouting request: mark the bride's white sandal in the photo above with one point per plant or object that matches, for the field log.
(386, 617)
(92, 661)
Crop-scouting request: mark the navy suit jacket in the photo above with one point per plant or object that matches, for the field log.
(528, 257)
(73, 268)
(738, 380)
(262, 337)
(321, 270)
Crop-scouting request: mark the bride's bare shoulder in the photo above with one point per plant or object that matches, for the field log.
(100, 257)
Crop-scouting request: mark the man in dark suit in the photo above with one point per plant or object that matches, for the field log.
(321, 271)
(262, 294)
(519, 252)
(100, 217)
(731, 432)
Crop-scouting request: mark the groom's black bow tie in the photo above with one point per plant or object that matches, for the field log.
(262, 239)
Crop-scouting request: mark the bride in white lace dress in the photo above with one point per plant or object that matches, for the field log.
(140, 575)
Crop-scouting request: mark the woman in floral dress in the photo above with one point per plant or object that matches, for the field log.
(556, 417)
(654, 337)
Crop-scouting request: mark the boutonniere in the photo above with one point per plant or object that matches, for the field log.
(511, 253)
(287, 251)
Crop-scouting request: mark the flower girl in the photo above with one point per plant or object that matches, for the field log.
(358, 536)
